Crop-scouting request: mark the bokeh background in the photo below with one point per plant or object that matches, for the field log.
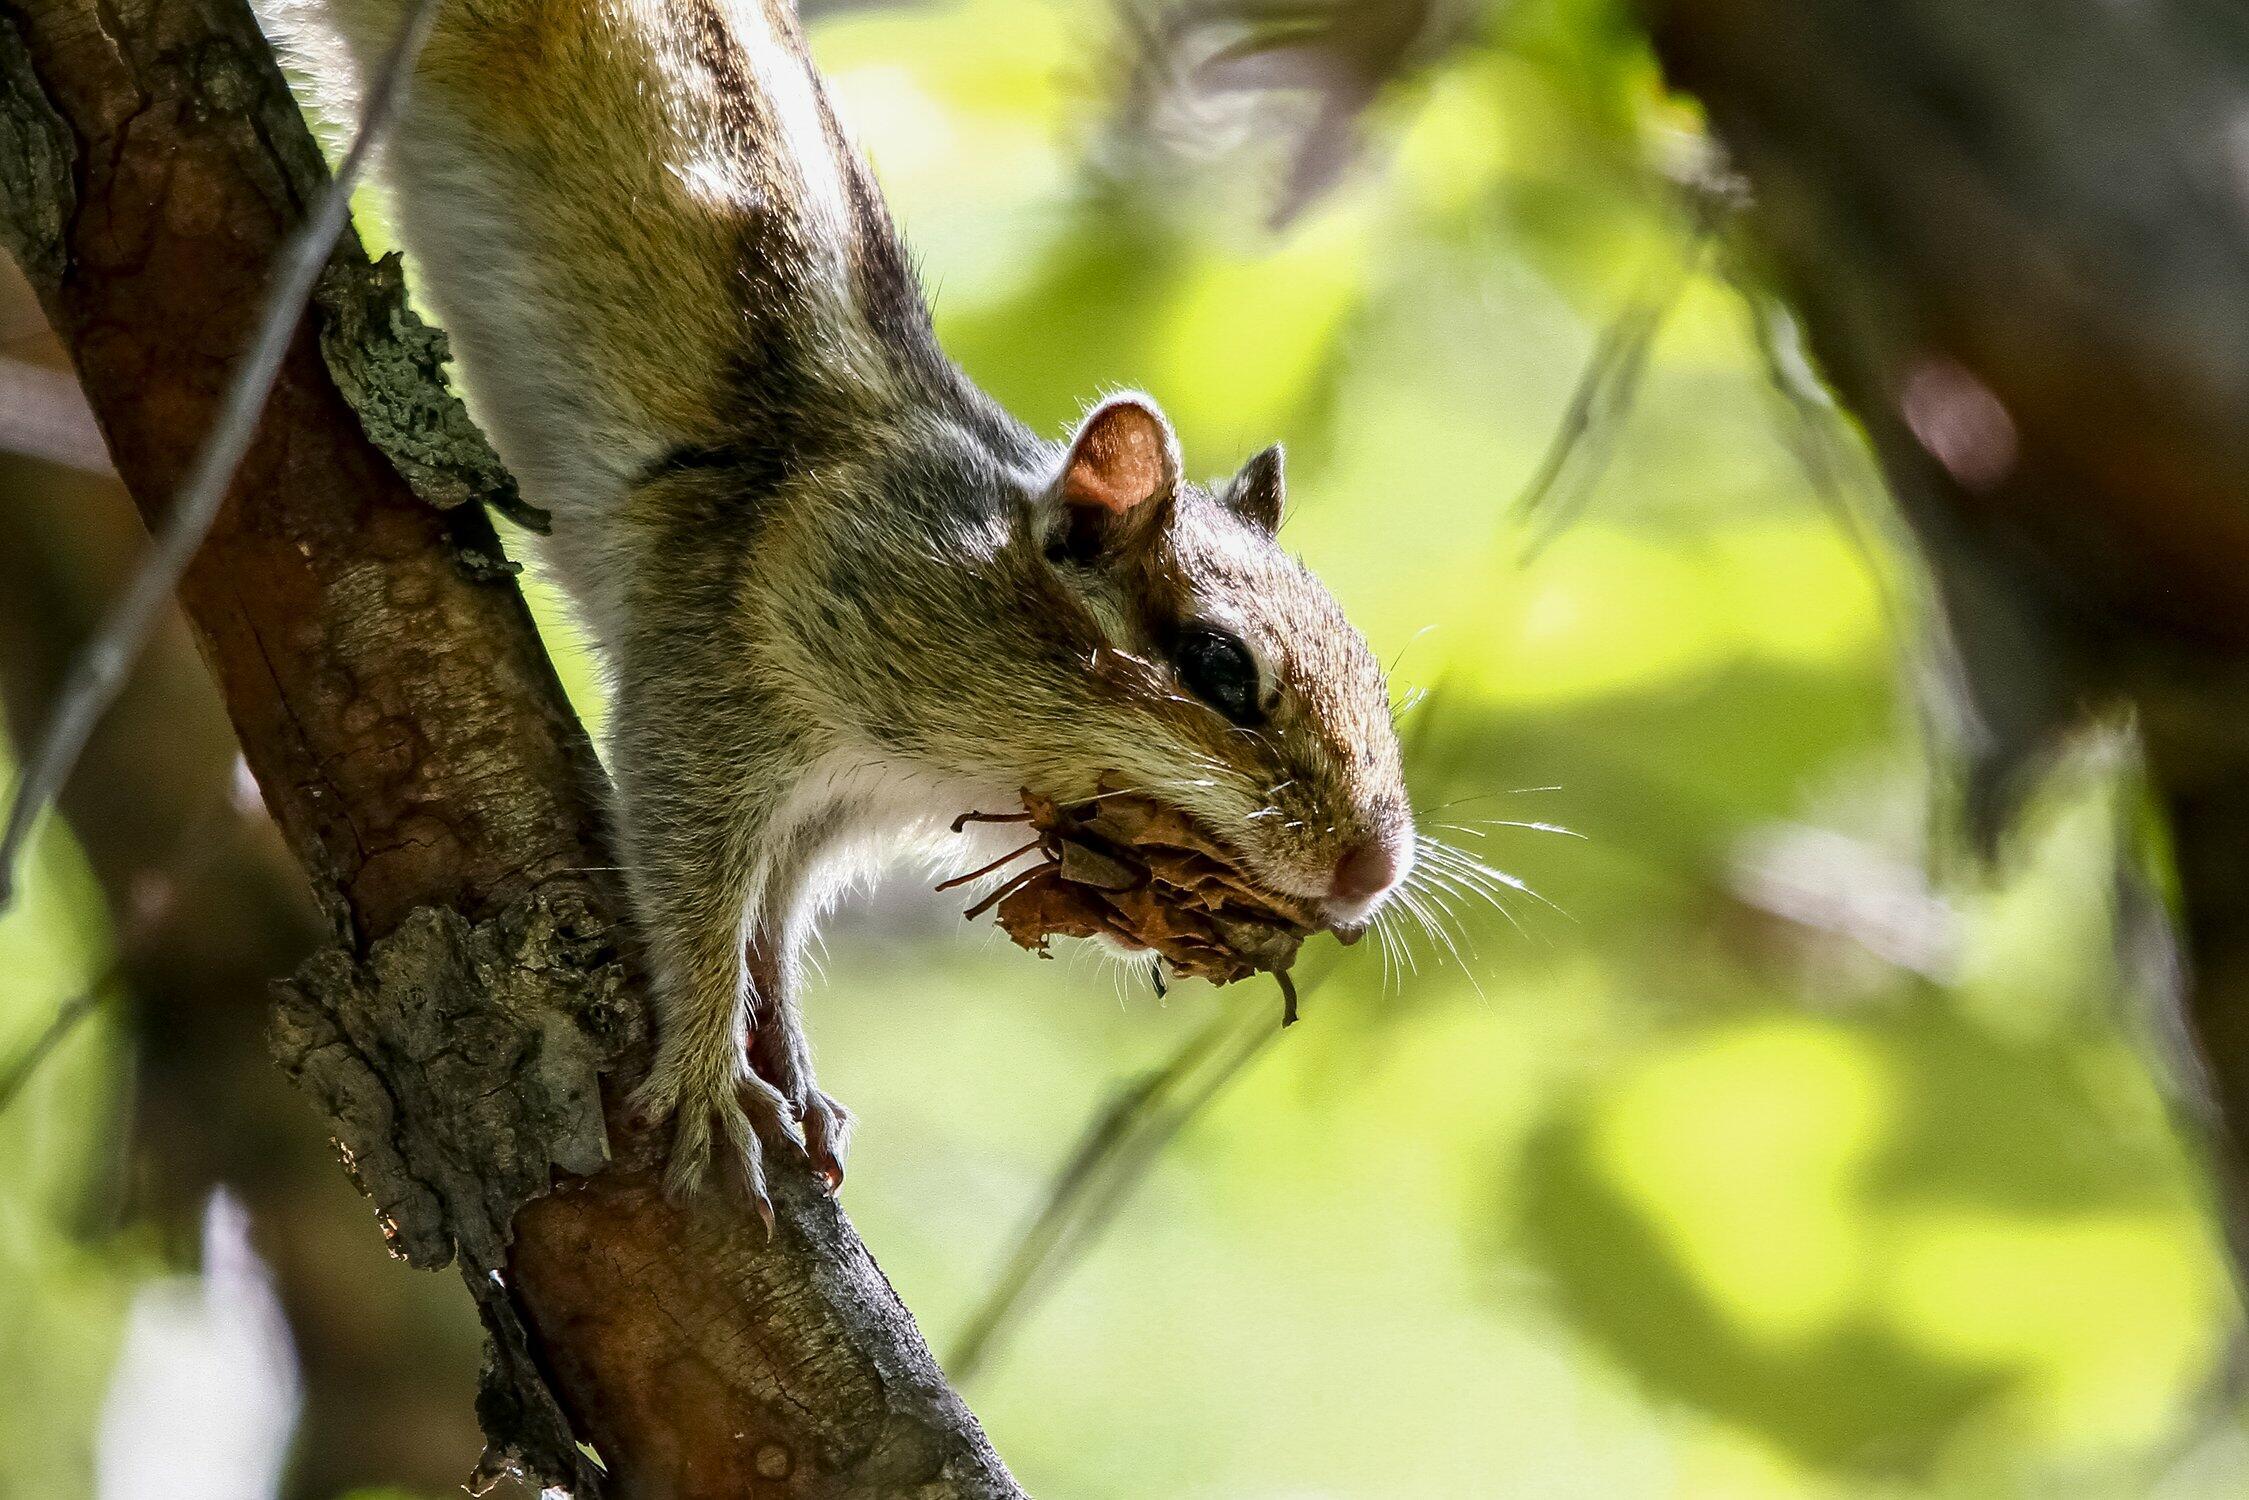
(1755, 1141)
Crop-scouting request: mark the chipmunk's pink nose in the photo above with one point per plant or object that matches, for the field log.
(1365, 872)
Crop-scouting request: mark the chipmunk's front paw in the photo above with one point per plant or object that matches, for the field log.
(713, 1101)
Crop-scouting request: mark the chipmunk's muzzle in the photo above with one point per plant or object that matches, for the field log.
(1364, 877)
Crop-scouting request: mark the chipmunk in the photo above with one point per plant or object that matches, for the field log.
(839, 594)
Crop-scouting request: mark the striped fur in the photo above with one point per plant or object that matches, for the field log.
(816, 559)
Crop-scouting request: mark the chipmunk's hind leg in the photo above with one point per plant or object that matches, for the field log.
(702, 1080)
(692, 830)
(781, 1054)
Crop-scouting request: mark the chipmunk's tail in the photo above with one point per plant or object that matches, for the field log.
(640, 221)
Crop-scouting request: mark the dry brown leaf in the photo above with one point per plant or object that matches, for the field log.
(1143, 875)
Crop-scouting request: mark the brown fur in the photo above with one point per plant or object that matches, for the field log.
(841, 596)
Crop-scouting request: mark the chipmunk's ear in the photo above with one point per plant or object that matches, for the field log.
(1257, 493)
(1118, 482)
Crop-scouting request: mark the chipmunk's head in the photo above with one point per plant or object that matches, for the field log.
(1227, 681)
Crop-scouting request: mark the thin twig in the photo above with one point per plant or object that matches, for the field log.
(1606, 391)
(978, 874)
(1004, 890)
(72, 1011)
(1609, 386)
(1111, 1159)
(967, 818)
(196, 845)
(100, 669)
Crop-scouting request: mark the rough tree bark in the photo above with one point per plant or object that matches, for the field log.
(207, 906)
(413, 744)
(2017, 232)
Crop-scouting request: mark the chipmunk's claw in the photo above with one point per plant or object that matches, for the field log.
(763, 1206)
(827, 1138)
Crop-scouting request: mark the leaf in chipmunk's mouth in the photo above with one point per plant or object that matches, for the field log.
(1143, 875)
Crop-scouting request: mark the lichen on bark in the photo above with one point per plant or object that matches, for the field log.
(36, 156)
(390, 365)
(459, 1065)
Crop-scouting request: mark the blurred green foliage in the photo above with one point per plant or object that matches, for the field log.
(1748, 1160)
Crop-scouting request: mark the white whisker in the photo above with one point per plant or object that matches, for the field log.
(1411, 900)
(1411, 641)
(1409, 963)
(1482, 826)
(1460, 862)
(1438, 897)
(1469, 887)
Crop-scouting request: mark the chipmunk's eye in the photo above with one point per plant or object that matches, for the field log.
(1218, 669)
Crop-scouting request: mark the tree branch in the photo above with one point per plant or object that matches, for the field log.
(2017, 236)
(98, 674)
(204, 911)
(411, 739)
